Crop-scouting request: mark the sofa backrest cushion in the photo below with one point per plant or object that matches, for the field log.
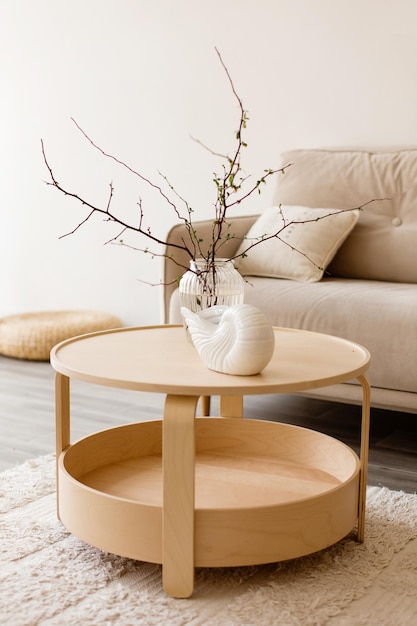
(383, 244)
(307, 240)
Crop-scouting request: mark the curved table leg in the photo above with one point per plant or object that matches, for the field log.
(62, 421)
(231, 406)
(366, 410)
(178, 461)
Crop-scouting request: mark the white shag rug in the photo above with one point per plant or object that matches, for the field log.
(49, 577)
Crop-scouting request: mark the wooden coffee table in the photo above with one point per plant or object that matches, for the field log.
(211, 491)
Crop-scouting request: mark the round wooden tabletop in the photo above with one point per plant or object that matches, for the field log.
(161, 359)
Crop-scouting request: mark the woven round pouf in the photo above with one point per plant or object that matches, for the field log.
(33, 335)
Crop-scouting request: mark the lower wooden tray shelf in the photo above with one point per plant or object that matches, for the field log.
(264, 491)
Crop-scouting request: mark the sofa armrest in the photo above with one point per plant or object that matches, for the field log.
(173, 268)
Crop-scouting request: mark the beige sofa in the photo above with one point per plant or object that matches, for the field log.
(368, 293)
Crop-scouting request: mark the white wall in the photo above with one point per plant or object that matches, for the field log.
(140, 76)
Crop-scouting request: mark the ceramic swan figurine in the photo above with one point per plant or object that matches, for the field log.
(235, 340)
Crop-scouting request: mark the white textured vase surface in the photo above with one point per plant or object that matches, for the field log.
(235, 340)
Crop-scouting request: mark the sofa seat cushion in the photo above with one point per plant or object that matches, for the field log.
(380, 316)
(382, 244)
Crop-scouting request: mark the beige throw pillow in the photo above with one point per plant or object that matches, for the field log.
(307, 240)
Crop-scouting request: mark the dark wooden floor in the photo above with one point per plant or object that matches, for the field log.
(27, 421)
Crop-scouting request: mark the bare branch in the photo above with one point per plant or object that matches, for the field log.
(78, 225)
(106, 212)
(130, 169)
(232, 185)
(110, 197)
(287, 224)
(116, 238)
(153, 254)
(213, 152)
